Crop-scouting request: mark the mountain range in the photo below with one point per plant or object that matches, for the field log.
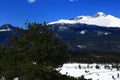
(99, 32)
(99, 19)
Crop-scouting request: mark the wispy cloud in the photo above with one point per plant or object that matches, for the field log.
(73, 0)
(31, 1)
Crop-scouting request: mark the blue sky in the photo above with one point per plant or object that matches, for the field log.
(16, 12)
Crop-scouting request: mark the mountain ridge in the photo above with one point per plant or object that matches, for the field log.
(98, 19)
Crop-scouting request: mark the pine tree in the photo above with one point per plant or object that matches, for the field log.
(33, 54)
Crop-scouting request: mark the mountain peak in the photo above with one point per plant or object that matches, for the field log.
(98, 14)
(6, 27)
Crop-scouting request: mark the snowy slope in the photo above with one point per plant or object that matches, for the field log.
(99, 19)
(89, 71)
(3, 30)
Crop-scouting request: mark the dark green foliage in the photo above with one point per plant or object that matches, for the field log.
(84, 56)
(32, 55)
(97, 67)
(79, 66)
(107, 67)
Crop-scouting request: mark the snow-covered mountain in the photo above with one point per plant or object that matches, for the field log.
(6, 27)
(99, 19)
(6, 31)
(97, 32)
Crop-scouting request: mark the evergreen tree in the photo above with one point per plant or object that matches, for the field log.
(33, 54)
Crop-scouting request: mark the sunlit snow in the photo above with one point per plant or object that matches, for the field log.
(90, 71)
(99, 19)
(2, 30)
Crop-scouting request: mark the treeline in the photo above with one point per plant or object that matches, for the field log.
(86, 56)
(33, 55)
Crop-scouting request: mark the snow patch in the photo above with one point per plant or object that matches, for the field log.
(81, 46)
(3, 30)
(83, 32)
(103, 33)
(106, 33)
(16, 78)
(61, 28)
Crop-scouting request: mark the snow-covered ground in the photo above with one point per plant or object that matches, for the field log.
(90, 71)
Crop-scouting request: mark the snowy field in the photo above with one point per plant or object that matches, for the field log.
(91, 71)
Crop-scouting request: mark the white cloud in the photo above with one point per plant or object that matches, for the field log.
(31, 1)
(72, 0)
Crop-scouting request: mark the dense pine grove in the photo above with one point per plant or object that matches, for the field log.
(86, 56)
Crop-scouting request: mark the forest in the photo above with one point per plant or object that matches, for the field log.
(34, 54)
